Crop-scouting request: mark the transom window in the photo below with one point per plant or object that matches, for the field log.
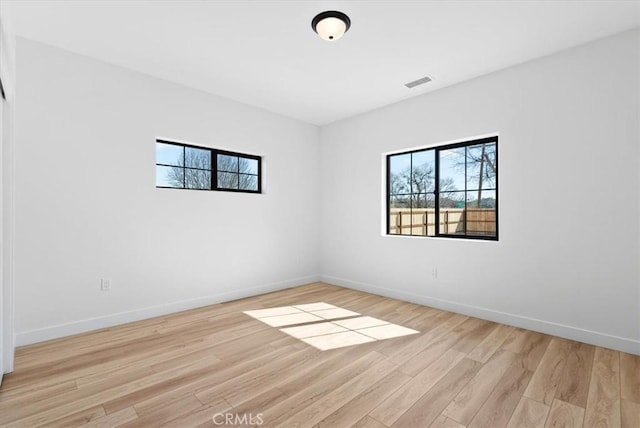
(182, 166)
(445, 191)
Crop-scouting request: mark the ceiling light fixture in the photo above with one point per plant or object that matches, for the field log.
(331, 25)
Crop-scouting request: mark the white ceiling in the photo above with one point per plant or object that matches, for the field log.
(264, 53)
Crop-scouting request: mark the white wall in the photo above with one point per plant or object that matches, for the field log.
(87, 207)
(7, 72)
(569, 148)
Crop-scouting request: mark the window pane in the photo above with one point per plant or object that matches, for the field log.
(169, 176)
(452, 200)
(452, 169)
(423, 171)
(227, 180)
(423, 214)
(451, 213)
(169, 154)
(481, 213)
(197, 158)
(228, 163)
(248, 182)
(481, 199)
(399, 215)
(197, 179)
(399, 172)
(248, 166)
(481, 171)
(423, 200)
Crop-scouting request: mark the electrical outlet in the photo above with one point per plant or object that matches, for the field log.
(434, 273)
(105, 284)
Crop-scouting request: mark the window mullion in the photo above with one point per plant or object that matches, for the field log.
(388, 195)
(437, 192)
(411, 194)
(214, 172)
(466, 211)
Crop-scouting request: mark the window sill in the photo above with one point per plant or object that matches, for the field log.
(443, 238)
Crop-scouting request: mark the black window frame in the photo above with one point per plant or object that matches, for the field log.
(437, 149)
(214, 167)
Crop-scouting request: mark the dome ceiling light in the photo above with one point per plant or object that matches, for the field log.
(331, 25)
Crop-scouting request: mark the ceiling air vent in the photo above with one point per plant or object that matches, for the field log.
(415, 83)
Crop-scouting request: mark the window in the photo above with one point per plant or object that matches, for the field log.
(182, 166)
(445, 191)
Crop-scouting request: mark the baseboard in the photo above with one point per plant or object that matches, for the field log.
(83, 326)
(568, 332)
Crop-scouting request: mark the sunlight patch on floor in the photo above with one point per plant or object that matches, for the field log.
(310, 325)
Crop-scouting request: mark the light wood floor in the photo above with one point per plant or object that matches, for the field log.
(181, 370)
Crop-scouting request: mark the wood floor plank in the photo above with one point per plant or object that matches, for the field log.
(432, 352)
(288, 381)
(630, 377)
(179, 370)
(202, 416)
(529, 414)
(29, 356)
(245, 387)
(468, 401)
(225, 374)
(499, 407)
(87, 370)
(116, 376)
(315, 412)
(474, 336)
(399, 402)
(603, 402)
(253, 408)
(330, 363)
(444, 422)
(430, 405)
(491, 343)
(111, 396)
(298, 401)
(165, 414)
(413, 347)
(34, 393)
(58, 407)
(207, 352)
(546, 378)
(113, 357)
(530, 344)
(82, 417)
(112, 420)
(423, 320)
(368, 422)
(359, 407)
(574, 382)
(564, 415)
(629, 414)
(170, 381)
